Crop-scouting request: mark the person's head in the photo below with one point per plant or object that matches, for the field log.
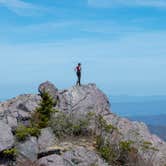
(79, 64)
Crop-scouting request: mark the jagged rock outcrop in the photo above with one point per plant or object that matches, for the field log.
(46, 140)
(77, 156)
(18, 109)
(81, 156)
(84, 99)
(80, 100)
(28, 150)
(50, 88)
(6, 137)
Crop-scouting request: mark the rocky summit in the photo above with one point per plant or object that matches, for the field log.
(80, 130)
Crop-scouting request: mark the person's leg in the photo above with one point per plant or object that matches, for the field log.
(79, 80)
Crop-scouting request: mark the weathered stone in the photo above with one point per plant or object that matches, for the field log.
(49, 88)
(46, 140)
(12, 122)
(82, 157)
(52, 160)
(84, 99)
(18, 109)
(151, 149)
(78, 156)
(6, 137)
(28, 149)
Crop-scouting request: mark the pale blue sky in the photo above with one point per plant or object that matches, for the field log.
(121, 44)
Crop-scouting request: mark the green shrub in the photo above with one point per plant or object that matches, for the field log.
(102, 124)
(66, 124)
(99, 141)
(114, 154)
(10, 152)
(109, 128)
(105, 149)
(126, 145)
(34, 131)
(22, 132)
(60, 124)
(106, 152)
(148, 146)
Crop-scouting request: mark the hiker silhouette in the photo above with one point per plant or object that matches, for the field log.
(78, 73)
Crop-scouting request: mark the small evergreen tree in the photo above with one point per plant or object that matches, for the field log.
(43, 112)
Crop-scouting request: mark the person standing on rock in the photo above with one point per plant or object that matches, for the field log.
(78, 72)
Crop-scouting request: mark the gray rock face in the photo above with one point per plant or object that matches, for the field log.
(79, 156)
(50, 88)
(84, 99)
(151, 149)
(6, 137)
(46, 140)
(52, 160)
(28, 150)
(18, 109)
(82, 157)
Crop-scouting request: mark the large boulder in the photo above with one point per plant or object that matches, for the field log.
(78, 156)
(52, 160)
(18, 109)
(6, 137)
(27, 150)
(84, 99)
(151, 149)
(46, 140)
(83, 157)
(48, 87)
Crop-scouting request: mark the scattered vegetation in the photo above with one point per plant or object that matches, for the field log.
(104, 149)
(10, 152)
(66, 124)
(126, 145)
(102, 124)
(8, 156)
(114, 154)
(148, 146)
(22, 132)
